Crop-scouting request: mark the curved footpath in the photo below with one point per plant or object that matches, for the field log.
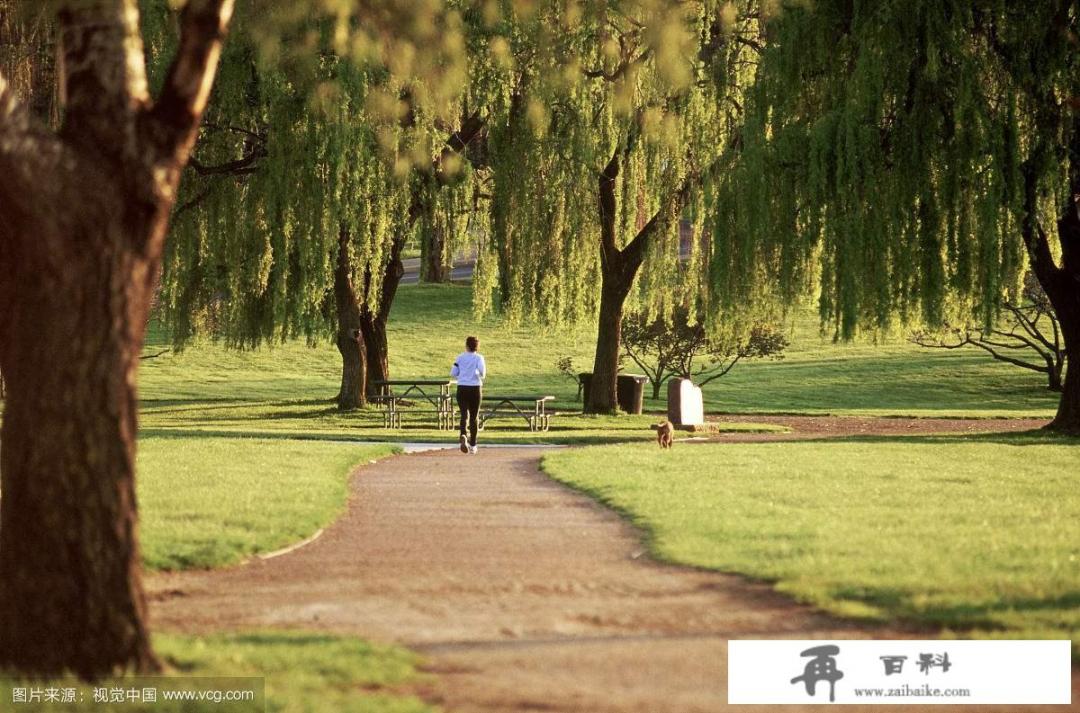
(521, 594)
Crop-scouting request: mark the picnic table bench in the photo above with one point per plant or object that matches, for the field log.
(435, 391)
(530, 408)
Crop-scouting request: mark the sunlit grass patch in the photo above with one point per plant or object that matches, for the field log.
(974, 533)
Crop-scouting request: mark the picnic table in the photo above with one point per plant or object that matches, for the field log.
(531, 408)
(393, 393)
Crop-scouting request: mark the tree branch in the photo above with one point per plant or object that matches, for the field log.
(635, 250)
(609, 252)
(240, 167)
(619, 71)
(726, 369)
(1031, 325)
(179, 108)
(1009, 359)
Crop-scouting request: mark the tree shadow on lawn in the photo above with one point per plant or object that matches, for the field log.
(186, 433)
(163, 406)
(957, 617)
(166, 405)
(1034, 437)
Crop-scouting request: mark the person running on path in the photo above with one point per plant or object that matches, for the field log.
(470, 370)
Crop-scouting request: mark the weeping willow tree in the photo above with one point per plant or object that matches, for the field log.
(295, 206)
(599, 149)
(308, 180)
(907, 161)
(85, 203)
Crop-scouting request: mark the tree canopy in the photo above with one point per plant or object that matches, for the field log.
(300, 146)
(653, 84)
(892, 153)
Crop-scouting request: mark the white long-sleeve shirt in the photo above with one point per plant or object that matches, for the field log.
(469, 369)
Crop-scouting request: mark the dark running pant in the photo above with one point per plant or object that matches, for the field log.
(468, 401)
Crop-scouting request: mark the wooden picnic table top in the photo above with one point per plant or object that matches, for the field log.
(517, 398)
(413, 382)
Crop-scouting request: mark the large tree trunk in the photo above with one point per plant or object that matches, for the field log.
(1067, 419)
(350, 336)
(433, 264)
(618, 268)
(604, 385)
(1064, 294)
(71, 597)
(1060, 282)
(1054, 368)
(82, 224)
(373, 324)
(377, 348)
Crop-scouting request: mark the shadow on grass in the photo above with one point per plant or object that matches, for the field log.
(493, 436)
(1036, 437)
(194, 405)
(959, 617)
(185, 433)
(166, 403)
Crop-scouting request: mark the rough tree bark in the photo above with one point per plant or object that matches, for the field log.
(433, 266)
(1062, 285)
(350, 335)
(618, 268)
(373, 323)
(83, 216)
(1060, 282)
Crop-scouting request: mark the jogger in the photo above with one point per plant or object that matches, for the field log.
(470, 370)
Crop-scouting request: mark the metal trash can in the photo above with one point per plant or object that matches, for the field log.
(630, 392)
(584, 381)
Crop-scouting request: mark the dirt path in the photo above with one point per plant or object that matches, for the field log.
(840, 426)
(522, 595)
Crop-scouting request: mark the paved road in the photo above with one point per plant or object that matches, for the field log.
(462, 271)
(465, 265)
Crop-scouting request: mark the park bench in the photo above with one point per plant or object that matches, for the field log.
(434, 391)
(531, 408)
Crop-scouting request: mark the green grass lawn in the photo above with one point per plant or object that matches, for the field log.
(429, 322)
(208, 501)
(243, 452)
(301, 672)
(976, 533)
(258, 429)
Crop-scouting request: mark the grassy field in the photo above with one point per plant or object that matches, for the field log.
(301, 672)
(211, 501)
(243, 452)
(967, 533)
(429, 322)
(258, 429)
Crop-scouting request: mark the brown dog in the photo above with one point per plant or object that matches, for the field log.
(664, 431)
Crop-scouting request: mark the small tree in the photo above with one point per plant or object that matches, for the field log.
(565, 366)
(665, 348)
(1029, 337)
